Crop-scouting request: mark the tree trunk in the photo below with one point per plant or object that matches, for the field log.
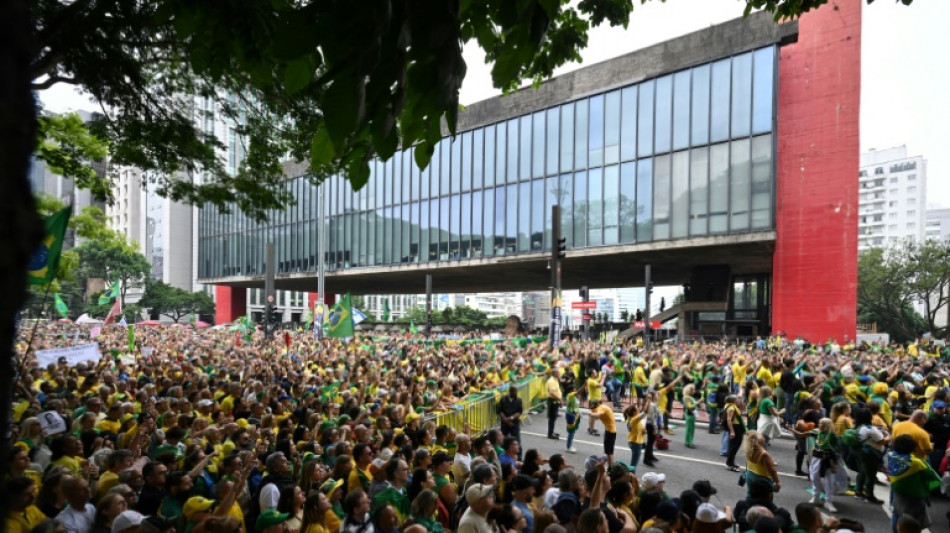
(21, 225)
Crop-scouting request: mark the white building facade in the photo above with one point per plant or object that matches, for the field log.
(892, 198)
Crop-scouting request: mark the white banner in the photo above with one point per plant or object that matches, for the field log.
(73, 354)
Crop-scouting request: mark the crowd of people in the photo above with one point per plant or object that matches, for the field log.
(211, 431)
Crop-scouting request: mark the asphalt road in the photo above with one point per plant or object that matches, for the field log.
(683, 466)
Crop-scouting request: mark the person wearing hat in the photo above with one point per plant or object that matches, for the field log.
(127, 522)
(654, 482)
(705, 489)
(196, 510)
(711, 520)
(272, 521)
(333, 489)
(667, 512)
(480, 498)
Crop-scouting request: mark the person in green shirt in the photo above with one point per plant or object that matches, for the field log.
(689, 412)
(423, 509)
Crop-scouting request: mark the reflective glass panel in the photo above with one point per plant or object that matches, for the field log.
(628, 202)
(567, 137)
(681, 124)
(524, 217)
(581, 209)
(741, 94)
(551, 198)
(762, 182)
(512, 170)
(553, 135)
(718, 188)
(645, 119)
(477, 229)
(628, 123)
(537, 215)
(644, 200)
(489, 156)
(465, 233)
(699, 190)
(500, 209)
(595, 147)
(664, 114)
(511, 219)
(456, 176)
(763, 71)
(501, 144)
(568, 208)
(679, 219)
(612, 127)
(467, 161)
(741, 186)
(595, 212)
(455, 228)
(719, 127)
(661, 197)
(524, 157)
(611, 204)
(537, 144)
(478, 158)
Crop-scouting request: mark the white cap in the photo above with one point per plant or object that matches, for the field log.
(707, 512)
(652, 479)
(127, 520)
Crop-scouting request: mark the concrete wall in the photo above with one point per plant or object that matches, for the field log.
(230, 303)
(815, 261)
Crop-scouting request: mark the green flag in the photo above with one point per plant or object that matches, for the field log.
(412, 327)
(45, 261)
(341, 319)
(386, 311)
(111, 293)
(60, 306)
(131, 338)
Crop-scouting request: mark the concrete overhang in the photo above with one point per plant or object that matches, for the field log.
(602, 267)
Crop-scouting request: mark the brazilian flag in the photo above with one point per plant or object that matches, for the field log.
(42, 269)
(60, 306)
(341, 319)
(111, 293)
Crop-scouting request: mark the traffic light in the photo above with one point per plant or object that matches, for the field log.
(561, 247)
(584, 293)
(650, 288)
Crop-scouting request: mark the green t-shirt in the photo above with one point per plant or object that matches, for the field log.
(765, 407)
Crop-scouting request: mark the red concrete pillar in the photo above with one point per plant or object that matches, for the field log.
(313, 297)
(815, 262)
(229, 303)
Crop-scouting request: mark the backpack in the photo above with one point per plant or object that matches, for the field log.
(851, 439)
(455, 515)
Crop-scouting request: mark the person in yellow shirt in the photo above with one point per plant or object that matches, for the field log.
(22, 516)
(603, 411)
(765, 374)
(740, 371)
(915, 428)
(554, 400)
(595, 387)
(640, 381)
(634, 420)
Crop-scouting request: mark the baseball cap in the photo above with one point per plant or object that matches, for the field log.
(196, 504)
(625, 465)
(704, 488)
(939, 404)
(126, 520)
(441, 457)
(376, 466)
(478, 491)
(155, 524)
(709, 514)
(652, 479)
(592, 461)
(668, 510)
(412, 415)
(331, 485)
(270, 517)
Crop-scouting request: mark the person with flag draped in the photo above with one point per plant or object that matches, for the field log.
(912, 480)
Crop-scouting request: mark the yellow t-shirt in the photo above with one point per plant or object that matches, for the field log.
(852, 391)
(606, 415)
(24, 522)
(594, 391)
(929, 394)
(640, 377)
(765, 375)
(739, 373)
(842, 424)
(635, 429)
(71, 463)
(332, 522)
(236, 512)
(107, 480)
(109, 426)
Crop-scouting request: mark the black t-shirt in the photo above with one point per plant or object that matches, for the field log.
(509, 406)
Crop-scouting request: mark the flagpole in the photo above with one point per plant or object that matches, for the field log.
(33, 333)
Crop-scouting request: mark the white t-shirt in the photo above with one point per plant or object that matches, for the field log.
(550, 497)
(472, 522)
(76, 521)
(871, 436)
(461, 467)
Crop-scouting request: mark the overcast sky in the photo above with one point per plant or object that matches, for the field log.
(904, 74)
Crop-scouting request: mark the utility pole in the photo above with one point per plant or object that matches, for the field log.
(321, 248)
(269, 293)
(428, 306)
(585, 324)
(648, 289)
(558, 251)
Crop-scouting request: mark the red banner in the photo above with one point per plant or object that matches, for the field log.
(640, 324)
(583, 305)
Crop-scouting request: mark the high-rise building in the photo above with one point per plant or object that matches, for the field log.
(938, 224)
(892, 197)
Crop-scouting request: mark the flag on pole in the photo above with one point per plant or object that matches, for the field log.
(308, 319)
(114, 312)
(358, 316)
(341, 319)
(60, 306)
(111, 292)
(45, 261)
(412, 327)
(386, 311)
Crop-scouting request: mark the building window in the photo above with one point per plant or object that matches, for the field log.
(894, 179)
(912, 213)
(911, 190)
(879, 170)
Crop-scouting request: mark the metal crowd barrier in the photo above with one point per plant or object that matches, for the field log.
(479, 412)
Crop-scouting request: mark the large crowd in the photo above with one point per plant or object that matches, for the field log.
(212, 431)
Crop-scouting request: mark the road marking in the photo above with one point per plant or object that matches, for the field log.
(666, 455)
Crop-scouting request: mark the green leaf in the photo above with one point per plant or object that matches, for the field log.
(341, 106)
(298, 74)
(321, 150)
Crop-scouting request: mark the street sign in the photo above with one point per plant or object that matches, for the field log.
(583, 305)
(587, 317)
(640, 324)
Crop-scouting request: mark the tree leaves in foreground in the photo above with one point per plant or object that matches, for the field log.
(322, 82)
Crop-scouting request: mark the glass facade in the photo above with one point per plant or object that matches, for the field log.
(687, 154)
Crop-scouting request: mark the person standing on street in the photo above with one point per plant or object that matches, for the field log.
(555, 400)
(736, 429)
(510, 408)
(602, 410)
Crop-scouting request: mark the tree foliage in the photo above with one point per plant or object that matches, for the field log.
(163, 299)
(892, 280)
(115, 261)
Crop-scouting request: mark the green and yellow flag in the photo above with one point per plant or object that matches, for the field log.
(111, 293)
(42, 269)
(60, 306)
(341, 319)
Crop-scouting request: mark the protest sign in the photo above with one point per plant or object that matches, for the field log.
(73, 354)
(52, 423)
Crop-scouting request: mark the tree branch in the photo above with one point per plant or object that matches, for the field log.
(53, 80)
